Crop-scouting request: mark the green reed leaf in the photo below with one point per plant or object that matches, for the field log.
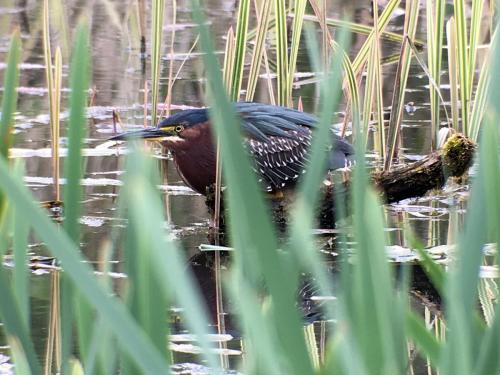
(281, 52)
(298, 20)
(9, 103)
(240, 49)
(9, 97)
(263, 19)
(252, 232)
(156, 37)
(129, 336)
(420, 335)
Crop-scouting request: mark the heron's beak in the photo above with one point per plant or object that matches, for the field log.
(149, 134)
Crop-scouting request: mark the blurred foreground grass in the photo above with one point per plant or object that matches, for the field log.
(370, 322)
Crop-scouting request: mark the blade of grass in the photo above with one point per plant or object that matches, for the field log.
(156, 36)
(425, 340)
(359, 28)
(459, 353)
(412, 10)
(229, 60)
(9, 103)
(261, 335)
(453, 71)
(488, 361)
(435, 11)
(281, 52)
(263, 18)
(80, 72)
(373, 90)
(433, 84)
(480, 100)
(171, 81)
(384, 18)
(12, 318)
(298, 20)
(20, 247)
(73, 171)
(22, 365)
(301, 240)
(258, 245)
(381, 136)
(55, 126)
(474, 34)
(166, 259)
(129, 336)
(463, 62)
(9, 97)
(240, 49)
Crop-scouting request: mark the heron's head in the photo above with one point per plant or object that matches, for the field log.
(182, 130)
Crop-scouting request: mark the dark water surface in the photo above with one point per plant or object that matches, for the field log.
(119, 80)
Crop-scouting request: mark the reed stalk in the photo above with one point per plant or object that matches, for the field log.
(240, 48)
(53, 76)
(156, 40)
(298, 20)
(384, 18)
(168, 99)
(435, 10)
(373, 99)
(451, 36)
(463, 63)
(412, 10)
(263, 18)
(281, 52)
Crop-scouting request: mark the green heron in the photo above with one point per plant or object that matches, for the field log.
(276, 137)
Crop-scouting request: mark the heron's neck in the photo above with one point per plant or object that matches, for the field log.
(196, 164)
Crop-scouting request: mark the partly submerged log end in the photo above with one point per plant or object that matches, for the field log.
(416, 179)
(458, 155)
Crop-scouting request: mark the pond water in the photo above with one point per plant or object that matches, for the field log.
(118, 79)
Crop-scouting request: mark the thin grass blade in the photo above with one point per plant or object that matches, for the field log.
(256, 247)
(156, 38)
(281, 52)
(240, 49)
(9, 103)
(257, 53)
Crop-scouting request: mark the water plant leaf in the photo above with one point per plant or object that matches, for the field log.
(263, 19)
(9, 102)
(397, 105)
(9, 97)
(163, 258)
(281, 52)
(129, 336)
(156, 37)
(240, 49)
(20, 246)
(435, 11)
(425, 340)
(252, 232)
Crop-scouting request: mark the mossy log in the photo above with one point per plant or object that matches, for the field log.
(411, 180)
(431, 172)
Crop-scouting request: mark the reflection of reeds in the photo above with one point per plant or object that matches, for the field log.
(53, 347)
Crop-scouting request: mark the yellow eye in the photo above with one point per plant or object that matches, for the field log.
(179, 128)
